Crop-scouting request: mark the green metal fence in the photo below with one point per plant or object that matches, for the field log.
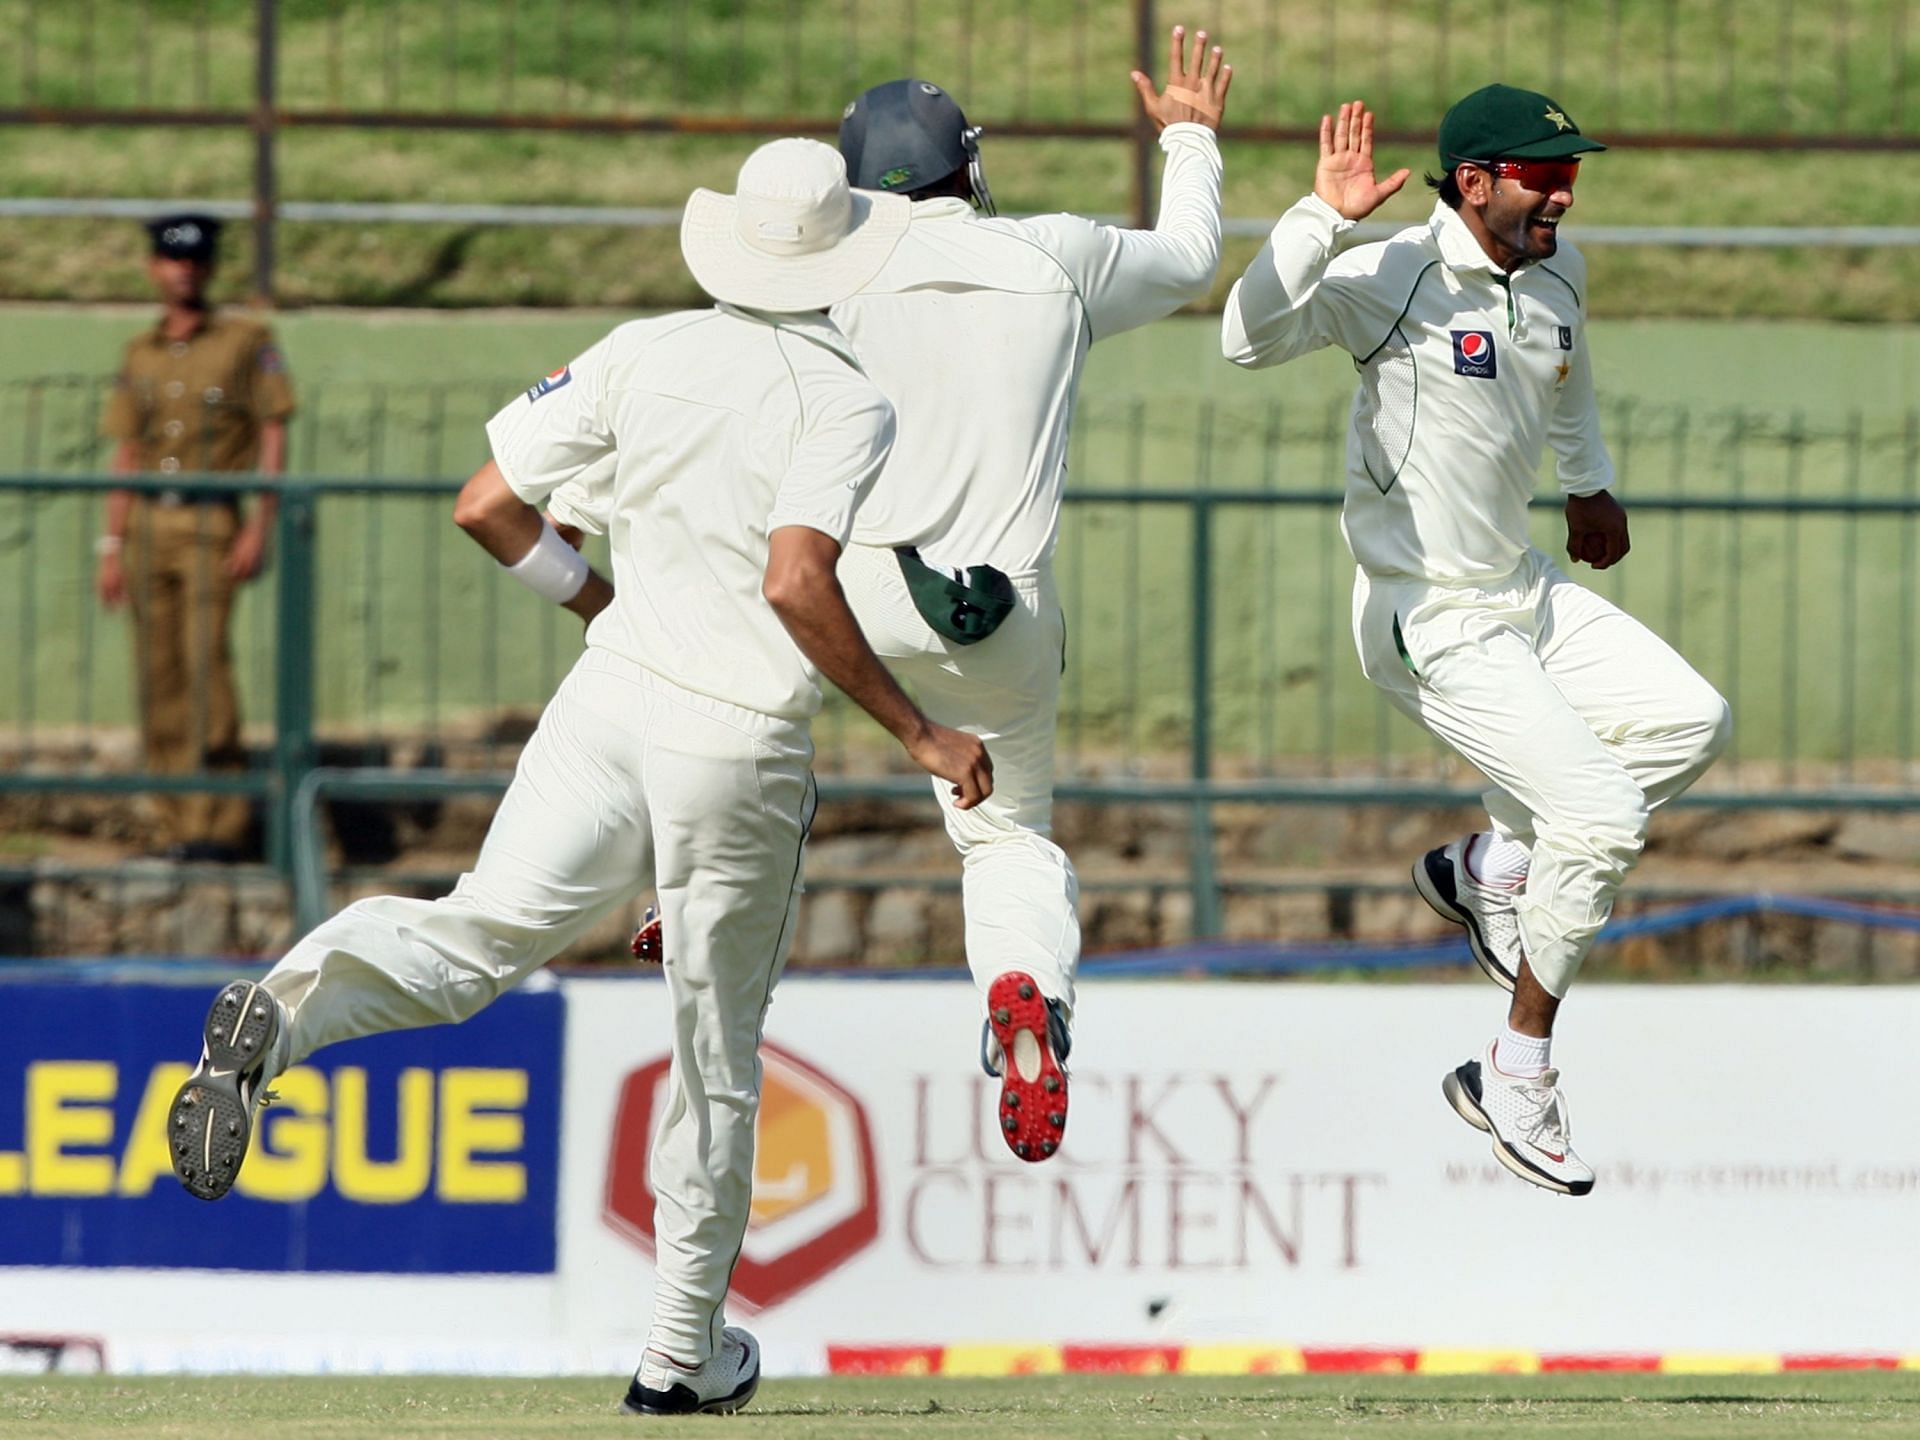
(1209, 659)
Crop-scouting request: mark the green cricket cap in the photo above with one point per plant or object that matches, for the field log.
(1498, 122)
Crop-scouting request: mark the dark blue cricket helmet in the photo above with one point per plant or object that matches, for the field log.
(908, 134)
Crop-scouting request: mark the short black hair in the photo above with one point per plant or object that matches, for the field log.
(1448, 187)
(956, 183)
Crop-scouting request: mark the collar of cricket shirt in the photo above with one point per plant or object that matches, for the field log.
(1458, 247)
(811, 324)
(946, 207)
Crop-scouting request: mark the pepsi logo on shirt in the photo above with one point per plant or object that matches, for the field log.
(1473, 354)
(551, 383)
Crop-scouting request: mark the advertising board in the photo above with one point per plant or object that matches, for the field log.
(1262, 1171)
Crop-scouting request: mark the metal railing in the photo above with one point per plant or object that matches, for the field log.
(1747, 74)
(1208, 664)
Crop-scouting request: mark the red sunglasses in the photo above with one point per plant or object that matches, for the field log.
(1543, 177)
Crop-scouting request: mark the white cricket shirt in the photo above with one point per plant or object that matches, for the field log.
(688, 439)
(1467, 374)
(977, 329)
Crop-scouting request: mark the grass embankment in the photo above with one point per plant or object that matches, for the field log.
(1062, 60)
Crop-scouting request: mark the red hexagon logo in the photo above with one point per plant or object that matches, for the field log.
(816, 1194)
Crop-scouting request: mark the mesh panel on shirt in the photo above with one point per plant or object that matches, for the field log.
(1389, 390)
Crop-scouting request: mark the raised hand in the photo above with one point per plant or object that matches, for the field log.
(1344, 177)
(1195, 92)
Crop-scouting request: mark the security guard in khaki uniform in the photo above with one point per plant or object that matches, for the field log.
(201, 391)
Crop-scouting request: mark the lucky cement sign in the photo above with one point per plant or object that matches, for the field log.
(1246, 1165)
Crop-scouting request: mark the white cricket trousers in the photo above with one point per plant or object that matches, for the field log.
(628, 779)
(1019, 889)
(1583, 719)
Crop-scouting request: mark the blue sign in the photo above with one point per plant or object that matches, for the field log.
(424, 1152)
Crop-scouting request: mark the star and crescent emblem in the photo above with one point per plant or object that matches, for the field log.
(1559, 119)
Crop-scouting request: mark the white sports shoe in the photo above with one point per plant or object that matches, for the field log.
(1491, 921)
(1527, 1119)
(662, 1386)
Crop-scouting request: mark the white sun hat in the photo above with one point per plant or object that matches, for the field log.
(795, 236)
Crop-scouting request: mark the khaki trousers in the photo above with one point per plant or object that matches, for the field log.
(628, 780)
(1021, 895)
(182, 601)
(1583, 719)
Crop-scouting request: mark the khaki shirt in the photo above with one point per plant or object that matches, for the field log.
(198, 404)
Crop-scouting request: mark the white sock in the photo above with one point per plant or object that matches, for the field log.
(1497, 862)
(1525, 1057)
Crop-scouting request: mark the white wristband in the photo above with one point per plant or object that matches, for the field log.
(552, 569)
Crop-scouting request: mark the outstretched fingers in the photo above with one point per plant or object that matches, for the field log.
(1196, 82)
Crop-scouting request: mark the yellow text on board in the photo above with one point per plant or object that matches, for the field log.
(454, 1136)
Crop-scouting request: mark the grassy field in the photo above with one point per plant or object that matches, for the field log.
(1633, 66)
(1795, 617)
(1069, 1408)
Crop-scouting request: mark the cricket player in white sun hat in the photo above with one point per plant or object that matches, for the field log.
(1469, 332)
(977, 327)
(729, 449)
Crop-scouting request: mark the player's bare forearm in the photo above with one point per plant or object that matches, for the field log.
(508, 529)
(499, 521)
(805, 593)
(594, 596)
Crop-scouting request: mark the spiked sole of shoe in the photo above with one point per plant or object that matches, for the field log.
(1446, 909)
(1468, 1109)
(1033, 1087)
(211, 1122)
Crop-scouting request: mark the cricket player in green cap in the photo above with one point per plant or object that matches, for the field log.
(1469, 333)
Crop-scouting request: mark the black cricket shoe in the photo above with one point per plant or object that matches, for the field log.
(662, 1386)
(211, 1122)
